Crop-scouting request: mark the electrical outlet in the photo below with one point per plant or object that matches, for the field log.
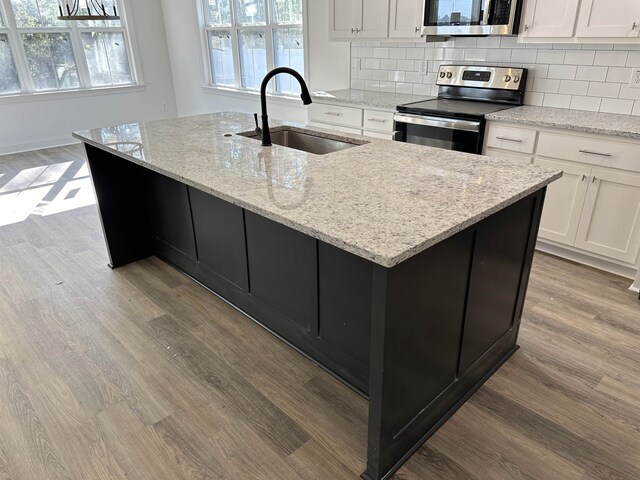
(635, 78)
(424, 67)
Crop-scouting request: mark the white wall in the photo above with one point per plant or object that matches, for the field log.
(34, 122)
(328, 64)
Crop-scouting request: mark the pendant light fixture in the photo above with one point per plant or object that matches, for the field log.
(86, 10)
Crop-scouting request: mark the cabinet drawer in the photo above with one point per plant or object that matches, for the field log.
(591, 150)
(510, 138)
(378, 121)
(385, 136)
(336, 115)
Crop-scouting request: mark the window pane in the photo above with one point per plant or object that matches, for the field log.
(221, 53)
(9, 82)
(253, 58)
(288, 50)
(250, 12)
(51, 61)
(218, 12)
(108, 6)
(287, 11)
(36, 13)
(107, 58)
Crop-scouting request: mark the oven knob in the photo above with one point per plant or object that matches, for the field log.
(449, 74)
(516, 79)
(507, 78)
(442, 74)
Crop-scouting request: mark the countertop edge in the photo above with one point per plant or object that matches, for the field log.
(387, 262)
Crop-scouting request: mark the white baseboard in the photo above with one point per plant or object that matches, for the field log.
(37, 145)
(621, 270)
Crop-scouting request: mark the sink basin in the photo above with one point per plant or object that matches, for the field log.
(306, 140)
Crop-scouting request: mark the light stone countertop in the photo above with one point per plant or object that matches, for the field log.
(577, 120)
(384, 201)
(365, 98)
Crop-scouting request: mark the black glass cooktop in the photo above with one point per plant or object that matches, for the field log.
(466, 108)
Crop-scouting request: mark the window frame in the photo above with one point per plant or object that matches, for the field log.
(75, 30)
(268, 29)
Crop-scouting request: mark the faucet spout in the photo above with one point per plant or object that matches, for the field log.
(305, 96)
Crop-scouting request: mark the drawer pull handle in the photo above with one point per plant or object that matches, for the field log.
(378, 120)
(506, 139)
(591, 152)
(335, 114)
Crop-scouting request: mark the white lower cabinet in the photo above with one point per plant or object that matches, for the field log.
(373, 123)
(610, 221)
(593, 211)
(564, 201)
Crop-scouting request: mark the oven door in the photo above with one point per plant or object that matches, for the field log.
(440, 132)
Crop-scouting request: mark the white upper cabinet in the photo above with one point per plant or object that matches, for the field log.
(345, 16)
(352, 19)
(549, 18)
(609, 18)
(405, 18)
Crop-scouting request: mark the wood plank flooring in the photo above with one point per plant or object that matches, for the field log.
(139, 373)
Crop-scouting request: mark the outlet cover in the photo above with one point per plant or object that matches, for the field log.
(635, 78)
(424, 67)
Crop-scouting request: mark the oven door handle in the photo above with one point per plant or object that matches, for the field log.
(439, 122)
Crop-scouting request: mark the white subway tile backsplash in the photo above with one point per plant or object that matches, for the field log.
(546, 85)
(555, 57)
(594, 74)
(579, 57)
(614, 105)
(556, 101)
(573, 87)
(602, 89)
(611, 59)
(562, 72)
(587, 77)
(591, 104)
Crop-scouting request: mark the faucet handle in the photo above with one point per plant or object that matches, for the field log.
(258, 129)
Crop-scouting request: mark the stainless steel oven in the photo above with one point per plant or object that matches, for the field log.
(455, 120)
(441, 132)
(471, 17)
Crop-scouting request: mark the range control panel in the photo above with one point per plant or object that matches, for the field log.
(502, 78)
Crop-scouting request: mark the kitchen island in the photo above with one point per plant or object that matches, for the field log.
(400, 269)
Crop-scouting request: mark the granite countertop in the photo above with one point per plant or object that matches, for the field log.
(384, 201)
(365, 98)
(577, 120)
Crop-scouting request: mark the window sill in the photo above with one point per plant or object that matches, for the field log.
(62, 94)
(249, 94)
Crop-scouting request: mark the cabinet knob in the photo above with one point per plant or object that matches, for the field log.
(526, 28)
(417, 29)
(353, 30)
(594, 180)
(635, 25)
(584, 177)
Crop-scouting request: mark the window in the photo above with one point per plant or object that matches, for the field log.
(40, 53)
(247, 38)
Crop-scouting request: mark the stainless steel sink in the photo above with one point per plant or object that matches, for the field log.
(306, 140)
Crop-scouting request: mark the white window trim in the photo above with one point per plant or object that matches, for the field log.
(74, 30)
(207, 77)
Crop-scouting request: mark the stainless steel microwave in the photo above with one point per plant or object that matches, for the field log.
(471, 17)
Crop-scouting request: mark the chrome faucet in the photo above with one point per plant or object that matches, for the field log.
(264, 132)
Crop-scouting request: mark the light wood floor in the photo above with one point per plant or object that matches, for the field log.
(139, 373)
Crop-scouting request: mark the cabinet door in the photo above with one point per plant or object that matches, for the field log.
(374, 21)
(405, 18)
(550, 18)
(609, 18)
(345, 17)
(564, 201)
(610, 223)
